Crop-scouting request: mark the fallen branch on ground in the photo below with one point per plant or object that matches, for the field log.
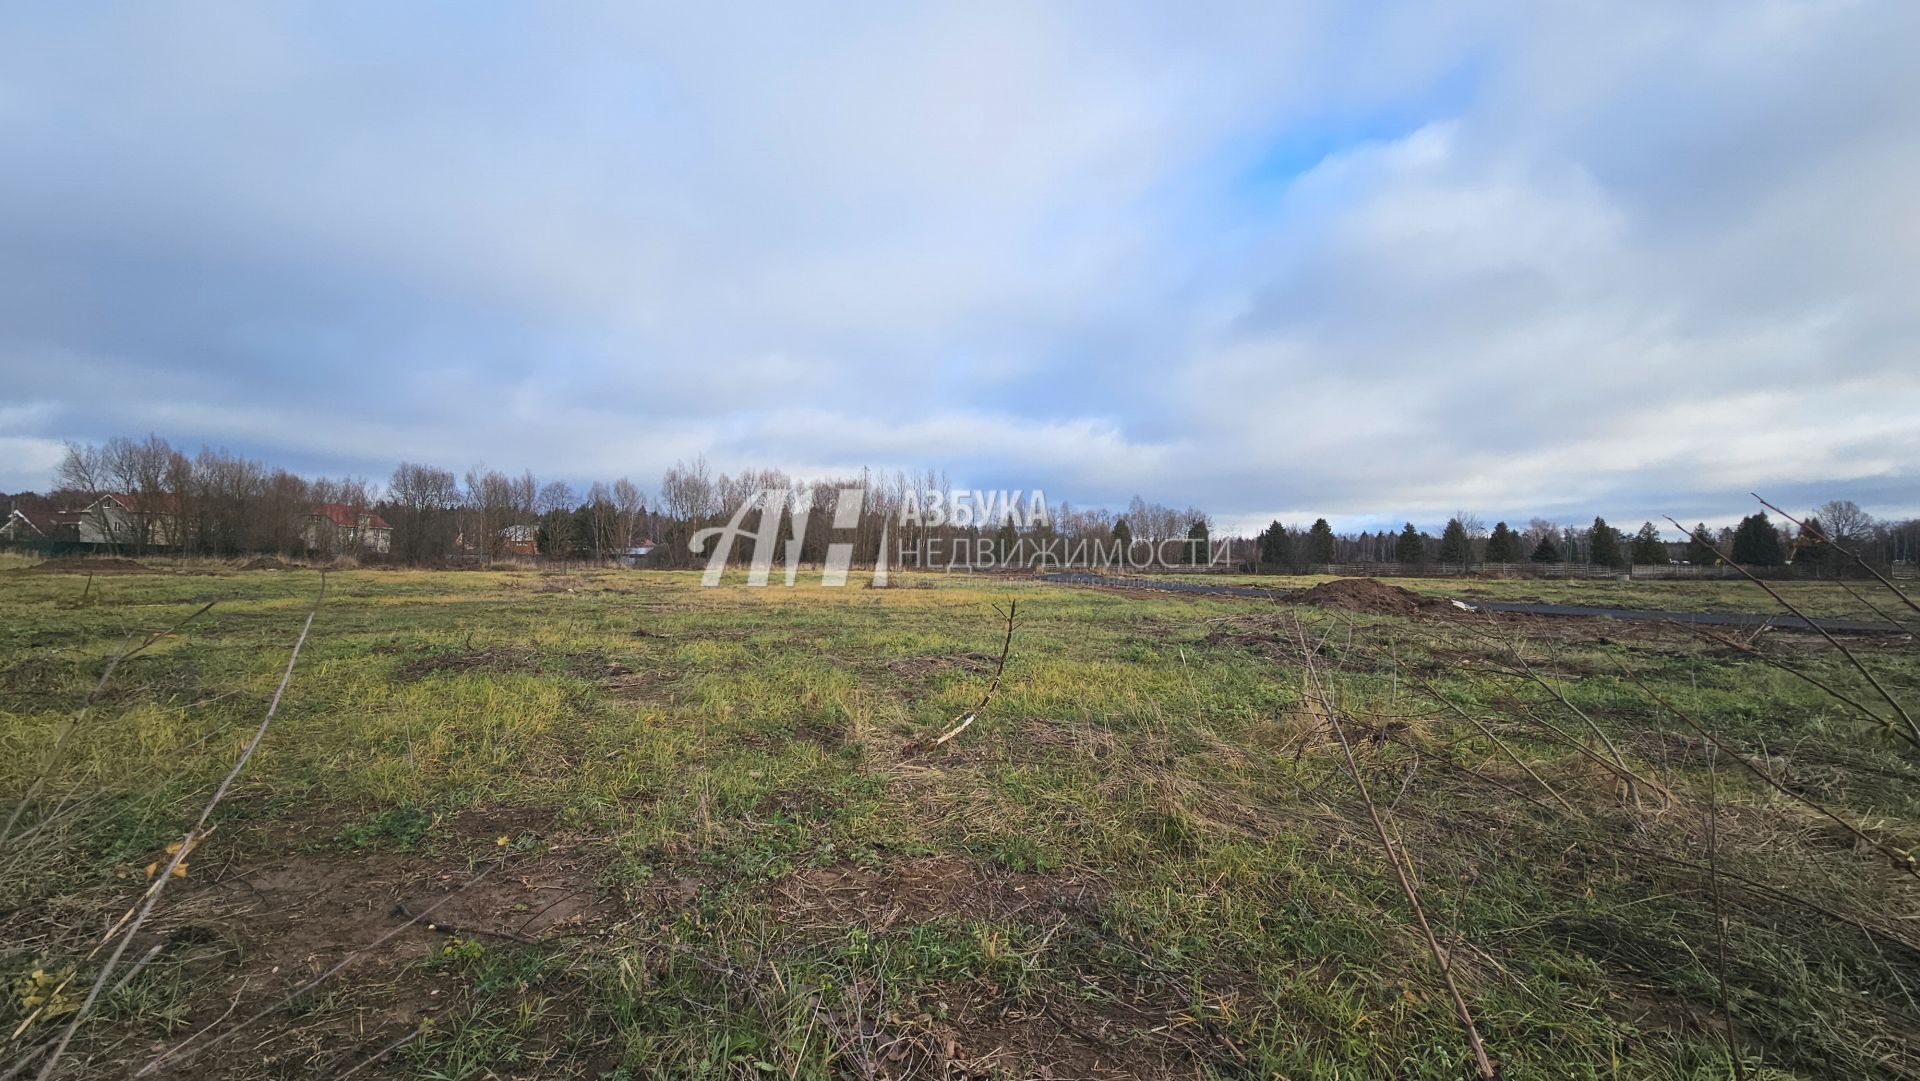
(972, 715)
(186, 846)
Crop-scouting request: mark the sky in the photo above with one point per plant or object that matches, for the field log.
(1376, 262)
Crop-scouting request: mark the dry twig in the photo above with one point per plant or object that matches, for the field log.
(972, 715)
(1317, 693)
(186, 846)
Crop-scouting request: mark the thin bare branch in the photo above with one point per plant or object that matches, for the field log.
(1754, 651)
(186, 846)
(1904, 860)
(86, 707)
(1824, 633)
(412, 919)
(1317, 693)
(972, 715)
(1824, 538)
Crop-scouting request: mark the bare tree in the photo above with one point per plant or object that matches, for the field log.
(491, 500)
(1844, 521)
(137, 474)
(219, 502)
(420, 505)
(631, 506)
(554, 504)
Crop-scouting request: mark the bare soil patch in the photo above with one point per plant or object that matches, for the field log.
(92, 565)
(272, 920)
(266, 563)
(1368, 595)
(922, 667)
(924, 888)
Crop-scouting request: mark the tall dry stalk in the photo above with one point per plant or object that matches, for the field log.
(1913, 730)
(1318, 694)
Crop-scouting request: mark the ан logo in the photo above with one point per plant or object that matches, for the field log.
(847, 506)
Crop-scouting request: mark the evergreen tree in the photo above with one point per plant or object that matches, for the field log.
(1411, 547)
(1454, 545)
(1276, 546)
(1648, 548)
(1700, 548)
(1005, 540)
(1546, 551)
(1756, 543)
(1197, 548)
(1603, 545)
(1320, 542)
(1123, 536)
(1503, 545)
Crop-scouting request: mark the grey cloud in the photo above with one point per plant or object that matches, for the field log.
(1006, 239)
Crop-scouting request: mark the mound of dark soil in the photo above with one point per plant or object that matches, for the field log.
(1369, 595)
(266, 563)
(91, 565)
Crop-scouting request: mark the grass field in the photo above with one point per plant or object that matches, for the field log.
(685, 832)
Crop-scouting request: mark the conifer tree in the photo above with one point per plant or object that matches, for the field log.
(1603, 545)
(1756, 543)
(1700, 549)
(1454, 545)
(1813, 546)
(1648, 548)
(1546, 551)
(1197, 547)
(1320, 542)
(1411, 547)
(1503, 545)
(1276, 546)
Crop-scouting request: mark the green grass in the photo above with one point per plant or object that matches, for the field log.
(1207, 896)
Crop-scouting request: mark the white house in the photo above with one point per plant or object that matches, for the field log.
(336, 527)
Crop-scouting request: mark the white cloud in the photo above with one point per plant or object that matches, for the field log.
(1554, 259)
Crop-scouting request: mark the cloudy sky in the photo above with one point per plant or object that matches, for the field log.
(1360, 260)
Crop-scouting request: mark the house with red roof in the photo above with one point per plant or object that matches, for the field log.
(336, 527)
(41, 527)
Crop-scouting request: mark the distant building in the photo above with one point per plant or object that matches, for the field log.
(520, 540)
(41, 527)
(122, 520)
(336, 527)
(636, 554)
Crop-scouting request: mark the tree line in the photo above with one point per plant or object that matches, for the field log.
(221, 504)
(1820, 541)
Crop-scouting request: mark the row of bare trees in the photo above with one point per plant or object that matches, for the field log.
(216, 503)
